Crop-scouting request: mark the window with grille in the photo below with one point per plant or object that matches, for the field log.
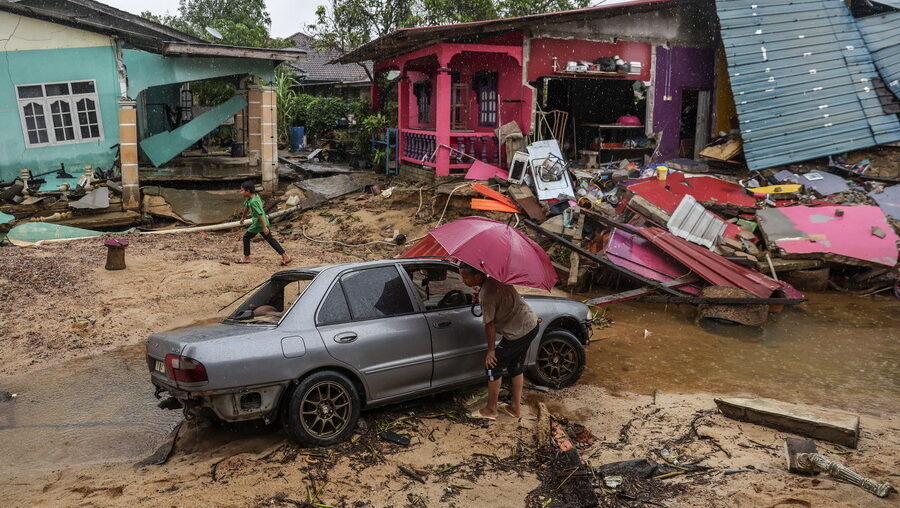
(59, 113)
(422, 91)
(485, 85)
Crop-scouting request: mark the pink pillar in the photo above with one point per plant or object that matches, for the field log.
(442, 121)
(402, 110)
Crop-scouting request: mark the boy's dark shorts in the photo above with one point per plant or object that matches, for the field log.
(511, 355)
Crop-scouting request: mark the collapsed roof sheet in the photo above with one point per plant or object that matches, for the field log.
(714, 268)
(801, 76)
(882, 35)
(857, 235)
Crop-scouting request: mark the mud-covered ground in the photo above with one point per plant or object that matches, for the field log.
(66, 321)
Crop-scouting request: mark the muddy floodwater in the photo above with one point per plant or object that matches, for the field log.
(844, 352)
(94, 409)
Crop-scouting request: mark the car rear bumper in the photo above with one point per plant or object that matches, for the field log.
(233, 404)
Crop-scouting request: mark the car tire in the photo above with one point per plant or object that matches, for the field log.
(322, 410)
(560, 360)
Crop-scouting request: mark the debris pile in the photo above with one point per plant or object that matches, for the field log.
(740, 248)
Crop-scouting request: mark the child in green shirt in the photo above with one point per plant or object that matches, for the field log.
(259, 224)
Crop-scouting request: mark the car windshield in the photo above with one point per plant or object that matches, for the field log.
(272, 300)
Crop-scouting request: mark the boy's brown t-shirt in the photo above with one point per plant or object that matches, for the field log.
(505, 307)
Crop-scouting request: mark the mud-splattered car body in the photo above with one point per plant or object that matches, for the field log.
(368, 333)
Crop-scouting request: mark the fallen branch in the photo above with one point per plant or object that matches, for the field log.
(412, 474)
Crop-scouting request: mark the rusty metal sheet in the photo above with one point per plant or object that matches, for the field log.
(427, 247)
(712, 267)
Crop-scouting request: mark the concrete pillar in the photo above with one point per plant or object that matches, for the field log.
(254, 125)
(442, 121)
(269, 137)
(128, 155)
(402, 112)
(239, 134)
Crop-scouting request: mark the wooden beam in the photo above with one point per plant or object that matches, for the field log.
(185, 48)
(721, 300)
(603, 261)
(820, 423)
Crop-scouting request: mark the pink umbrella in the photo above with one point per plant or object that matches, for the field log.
(498, 250)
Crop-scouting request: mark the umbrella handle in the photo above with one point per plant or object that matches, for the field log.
(472, 310)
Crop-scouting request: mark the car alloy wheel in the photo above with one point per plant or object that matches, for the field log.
(325, 410)
(557, 359)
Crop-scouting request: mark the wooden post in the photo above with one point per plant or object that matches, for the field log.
(115, 254)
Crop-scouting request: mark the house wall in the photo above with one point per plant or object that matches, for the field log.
(677, 69)
(42, 52)
(543, 50)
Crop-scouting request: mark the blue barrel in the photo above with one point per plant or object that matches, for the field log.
(297, 134)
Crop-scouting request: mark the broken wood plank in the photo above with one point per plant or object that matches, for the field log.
(101, 220)
(599, 217)
(603, 261)
(819, 423)
(532, 208)
(721, 300)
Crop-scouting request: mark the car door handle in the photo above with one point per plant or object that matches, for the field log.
(345, 337)
(443, 324)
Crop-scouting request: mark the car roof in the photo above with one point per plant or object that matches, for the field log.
(315, 270)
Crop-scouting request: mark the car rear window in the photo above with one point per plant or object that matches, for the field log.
(334, 308)
(376, 293)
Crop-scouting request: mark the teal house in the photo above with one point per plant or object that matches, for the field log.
(91, 85)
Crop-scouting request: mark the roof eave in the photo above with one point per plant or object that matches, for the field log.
(214, 50)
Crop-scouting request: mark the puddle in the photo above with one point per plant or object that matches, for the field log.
(88, 410)
(843, 353)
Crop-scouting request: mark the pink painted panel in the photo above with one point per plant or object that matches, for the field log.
(820, 230)
(540, 61)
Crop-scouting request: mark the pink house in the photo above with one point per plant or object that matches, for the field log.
(650, 59)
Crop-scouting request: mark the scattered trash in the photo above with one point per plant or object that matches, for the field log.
(804, 458)
(392, 437)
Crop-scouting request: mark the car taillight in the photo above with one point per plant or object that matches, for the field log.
(185, 370)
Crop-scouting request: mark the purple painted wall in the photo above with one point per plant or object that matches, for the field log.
(677, 69)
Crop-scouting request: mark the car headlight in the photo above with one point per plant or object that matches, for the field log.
(590, 314)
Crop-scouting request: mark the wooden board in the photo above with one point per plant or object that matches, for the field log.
(102, 220)
(819, 423)
(724, 151)
(532, 208)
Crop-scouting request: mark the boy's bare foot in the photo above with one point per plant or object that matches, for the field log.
(243, 261)
(485, 413)
(515, 412)
(286, 261)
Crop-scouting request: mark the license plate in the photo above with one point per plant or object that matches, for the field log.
(160, 366)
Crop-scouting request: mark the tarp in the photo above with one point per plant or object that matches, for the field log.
(164, 146)
(33, 232)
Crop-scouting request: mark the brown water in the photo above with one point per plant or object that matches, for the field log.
(844, 353)
(95, 409)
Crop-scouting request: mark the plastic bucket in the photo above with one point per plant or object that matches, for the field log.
(297, 134)
(661, 172)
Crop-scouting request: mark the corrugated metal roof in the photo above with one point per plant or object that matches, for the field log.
(712, 267)
(405, 40)
(427, 247)
(695, 223)
(801, 77)
(882, 35)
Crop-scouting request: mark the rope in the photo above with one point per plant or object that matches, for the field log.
(448, 202)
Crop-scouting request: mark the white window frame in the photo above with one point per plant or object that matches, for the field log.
(72, 100)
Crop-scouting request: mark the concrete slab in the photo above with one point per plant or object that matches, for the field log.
(888, 200)
(831, 425)
(833, 233)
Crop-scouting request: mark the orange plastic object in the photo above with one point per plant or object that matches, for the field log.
(492, 205)
(491, 193)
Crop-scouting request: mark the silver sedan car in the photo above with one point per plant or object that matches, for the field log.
(312, 347)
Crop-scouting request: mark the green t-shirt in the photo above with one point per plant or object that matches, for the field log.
(255, 205)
